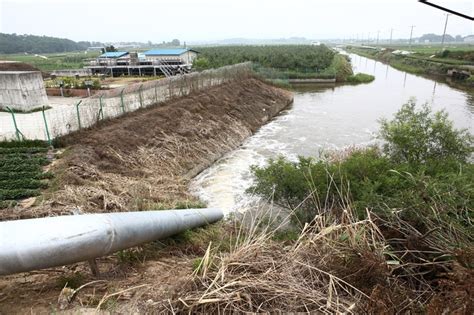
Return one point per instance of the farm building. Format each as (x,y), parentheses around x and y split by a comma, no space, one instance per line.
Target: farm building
(113,58)
(180,55)
(166,62)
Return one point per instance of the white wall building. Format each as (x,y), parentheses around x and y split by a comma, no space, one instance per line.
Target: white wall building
(182,55)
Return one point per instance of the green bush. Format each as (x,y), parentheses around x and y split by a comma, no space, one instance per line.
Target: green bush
(22,175)
(31,150)
(73,83)
(340,67)
(360,78)
(23,183)
(16,161)
(23,144)
(422,173)
(420,136)
(24,167)
(12,194)
(289,57)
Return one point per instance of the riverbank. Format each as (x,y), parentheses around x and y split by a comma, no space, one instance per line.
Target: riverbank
(145,159)
(431,69)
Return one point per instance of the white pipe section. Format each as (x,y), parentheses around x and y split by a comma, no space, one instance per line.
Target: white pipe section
(32,244)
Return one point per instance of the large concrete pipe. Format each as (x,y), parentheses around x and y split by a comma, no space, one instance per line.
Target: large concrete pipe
(32,244)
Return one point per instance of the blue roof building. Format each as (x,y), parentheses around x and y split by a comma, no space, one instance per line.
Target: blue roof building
(114,54)
(168,52)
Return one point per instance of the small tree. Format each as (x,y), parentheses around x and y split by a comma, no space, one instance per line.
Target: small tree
(201,63)
(110,48)
(420,136)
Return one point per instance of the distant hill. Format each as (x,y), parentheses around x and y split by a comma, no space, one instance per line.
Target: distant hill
(13,43)
(251,41)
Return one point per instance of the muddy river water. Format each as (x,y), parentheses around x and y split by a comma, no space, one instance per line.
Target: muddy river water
(323,118)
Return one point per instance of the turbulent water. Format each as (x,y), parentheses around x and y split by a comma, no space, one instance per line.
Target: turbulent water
(327,118)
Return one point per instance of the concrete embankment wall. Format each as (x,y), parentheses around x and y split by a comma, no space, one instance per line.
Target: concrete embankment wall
(22,90)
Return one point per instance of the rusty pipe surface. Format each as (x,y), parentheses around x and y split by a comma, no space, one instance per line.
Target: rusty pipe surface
(33,244)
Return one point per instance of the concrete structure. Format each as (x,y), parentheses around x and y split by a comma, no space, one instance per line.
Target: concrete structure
(168,62)
(22,90)
(72,73)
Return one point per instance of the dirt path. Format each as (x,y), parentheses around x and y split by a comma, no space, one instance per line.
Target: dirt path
(141,161)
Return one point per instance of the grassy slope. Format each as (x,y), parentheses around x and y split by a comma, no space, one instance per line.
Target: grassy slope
(72,60)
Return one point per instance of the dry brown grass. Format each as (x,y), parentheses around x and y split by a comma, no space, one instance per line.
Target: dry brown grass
(259,274)
(339,264)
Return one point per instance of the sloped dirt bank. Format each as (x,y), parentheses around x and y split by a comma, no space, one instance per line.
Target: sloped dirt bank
(141,161)
(145,159)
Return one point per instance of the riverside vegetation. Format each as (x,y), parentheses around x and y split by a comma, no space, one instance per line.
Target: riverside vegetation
(425,61)
(398,219)
(283,62)
(382,230)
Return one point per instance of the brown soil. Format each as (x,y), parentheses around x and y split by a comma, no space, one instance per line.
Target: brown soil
(19,66)
(143,160)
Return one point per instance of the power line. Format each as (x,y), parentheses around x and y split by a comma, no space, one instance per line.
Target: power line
(447,10)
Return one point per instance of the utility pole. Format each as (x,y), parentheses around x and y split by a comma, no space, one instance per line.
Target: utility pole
(411,34)
(378,33)
(391,33)
(444,32)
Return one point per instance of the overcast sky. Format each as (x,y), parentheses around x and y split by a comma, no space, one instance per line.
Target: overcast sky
(204,20)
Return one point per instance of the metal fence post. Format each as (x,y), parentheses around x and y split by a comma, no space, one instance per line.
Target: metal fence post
(140,95)
(78,115)
(46,126)
(17,131)
(122,104)
(101,110)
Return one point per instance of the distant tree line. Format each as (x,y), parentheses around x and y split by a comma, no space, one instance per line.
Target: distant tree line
(293,57)
(434,38)
(14,43)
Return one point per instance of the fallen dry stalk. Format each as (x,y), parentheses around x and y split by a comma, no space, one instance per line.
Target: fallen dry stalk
(108,296)
(260,275)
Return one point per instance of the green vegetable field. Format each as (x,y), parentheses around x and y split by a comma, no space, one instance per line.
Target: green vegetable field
(21,170)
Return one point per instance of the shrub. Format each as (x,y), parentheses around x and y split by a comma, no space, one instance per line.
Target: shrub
(341,67)
(360,78)
(19,160)
(13,150)
(422,174)
(24,183)
(23,144)
(420,136)
(6,194)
